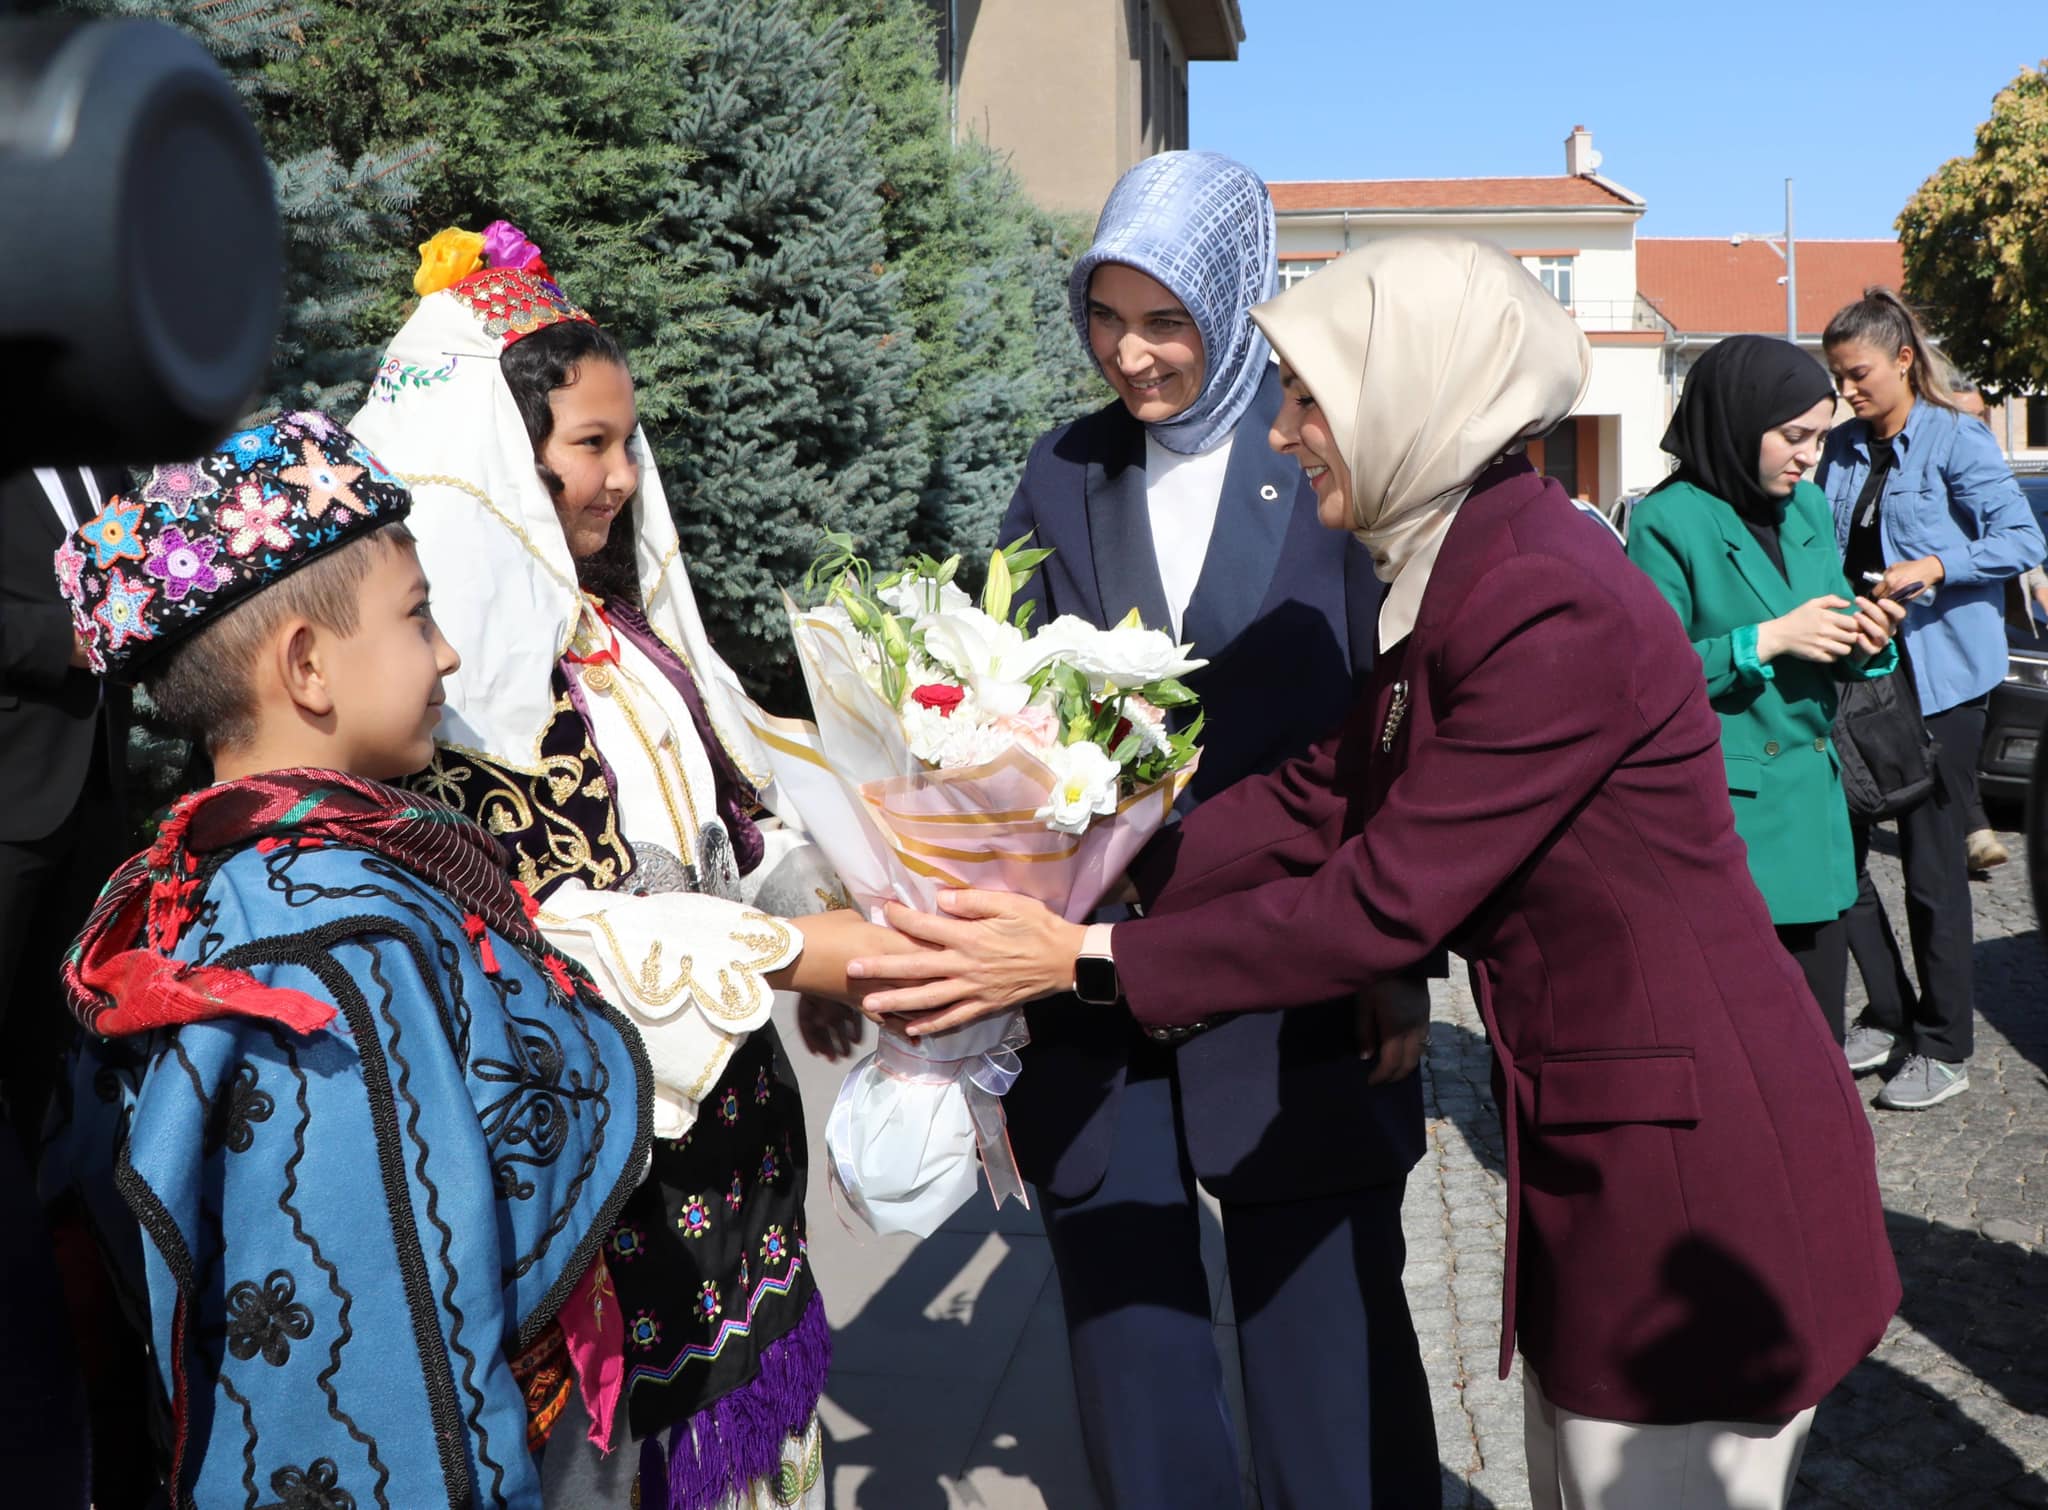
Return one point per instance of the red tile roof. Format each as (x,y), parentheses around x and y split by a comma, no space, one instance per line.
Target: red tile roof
(1703,285)
(1449,194)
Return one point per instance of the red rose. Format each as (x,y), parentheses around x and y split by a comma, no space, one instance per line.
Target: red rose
(938,695)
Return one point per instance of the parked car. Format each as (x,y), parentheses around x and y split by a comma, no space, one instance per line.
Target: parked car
(2018,711)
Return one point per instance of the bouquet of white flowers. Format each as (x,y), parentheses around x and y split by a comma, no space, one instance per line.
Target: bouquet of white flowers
(954,746)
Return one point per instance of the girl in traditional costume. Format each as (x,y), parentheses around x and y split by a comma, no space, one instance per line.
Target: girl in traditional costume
(593,729)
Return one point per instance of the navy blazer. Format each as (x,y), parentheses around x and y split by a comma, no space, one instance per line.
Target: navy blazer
(1276,1104)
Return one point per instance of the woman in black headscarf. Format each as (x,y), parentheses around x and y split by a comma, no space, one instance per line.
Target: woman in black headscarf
(1744,549)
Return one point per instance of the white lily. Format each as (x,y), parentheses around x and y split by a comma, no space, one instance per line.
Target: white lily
(918,598)
(991,657)
(1122,658)
(1084,787)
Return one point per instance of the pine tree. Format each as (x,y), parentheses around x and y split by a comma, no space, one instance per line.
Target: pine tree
(804,422)
(980,274)
(554,114)
(332,206)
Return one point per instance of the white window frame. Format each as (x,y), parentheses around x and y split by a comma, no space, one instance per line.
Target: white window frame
(1296,269)
(1560,277)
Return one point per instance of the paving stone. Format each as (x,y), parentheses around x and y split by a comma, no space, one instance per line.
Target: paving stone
(1949,1409)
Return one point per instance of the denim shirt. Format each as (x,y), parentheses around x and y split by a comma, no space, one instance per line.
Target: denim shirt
(1951,496)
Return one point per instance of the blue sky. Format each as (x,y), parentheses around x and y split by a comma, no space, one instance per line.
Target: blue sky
(1703,109)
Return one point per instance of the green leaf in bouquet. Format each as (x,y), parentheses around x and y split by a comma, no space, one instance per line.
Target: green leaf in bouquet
(1024,612)
(1167,693)
(1127,751)
(948,570)
(1022,561)
(1073,685)
(833,567)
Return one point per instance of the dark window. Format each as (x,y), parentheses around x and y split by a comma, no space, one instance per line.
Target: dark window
(1164,85)
(2037,422)
(1141,49)
(1561,456)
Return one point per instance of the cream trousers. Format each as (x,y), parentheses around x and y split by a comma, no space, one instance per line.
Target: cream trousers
(1584,1463)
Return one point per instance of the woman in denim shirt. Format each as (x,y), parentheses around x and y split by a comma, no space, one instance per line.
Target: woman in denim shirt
(1922,497)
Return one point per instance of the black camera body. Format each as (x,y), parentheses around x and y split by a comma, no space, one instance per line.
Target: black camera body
(141,264)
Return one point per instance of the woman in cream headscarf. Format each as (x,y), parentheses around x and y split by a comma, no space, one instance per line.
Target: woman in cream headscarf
(1533,778)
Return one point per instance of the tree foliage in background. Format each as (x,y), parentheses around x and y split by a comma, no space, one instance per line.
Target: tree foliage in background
(807,421)
(336,207)
(555,114)
(1975,240)
(981,272)
(837,318)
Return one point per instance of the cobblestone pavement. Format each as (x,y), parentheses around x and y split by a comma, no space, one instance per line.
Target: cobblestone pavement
(1952,1408)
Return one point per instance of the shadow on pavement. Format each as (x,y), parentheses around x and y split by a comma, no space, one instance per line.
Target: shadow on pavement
(917,1424)
(2009,973)
(1908,1428)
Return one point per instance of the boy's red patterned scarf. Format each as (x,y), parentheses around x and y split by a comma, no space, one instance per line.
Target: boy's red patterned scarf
(119,976)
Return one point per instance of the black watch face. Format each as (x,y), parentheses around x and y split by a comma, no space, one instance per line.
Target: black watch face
(1095,980)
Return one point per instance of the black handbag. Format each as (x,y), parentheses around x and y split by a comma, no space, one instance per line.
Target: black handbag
(1886,753)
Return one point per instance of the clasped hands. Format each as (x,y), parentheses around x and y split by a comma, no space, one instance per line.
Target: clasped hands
(986,952)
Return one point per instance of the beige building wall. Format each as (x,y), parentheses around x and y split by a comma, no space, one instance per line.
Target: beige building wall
(1076,91)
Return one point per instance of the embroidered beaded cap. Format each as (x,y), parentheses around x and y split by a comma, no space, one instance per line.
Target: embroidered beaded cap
(513,302)
(159,563)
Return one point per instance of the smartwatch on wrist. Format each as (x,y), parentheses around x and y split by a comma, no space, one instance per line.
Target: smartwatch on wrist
(1095,978)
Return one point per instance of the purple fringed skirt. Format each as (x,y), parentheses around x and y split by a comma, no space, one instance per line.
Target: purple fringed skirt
(739,1438)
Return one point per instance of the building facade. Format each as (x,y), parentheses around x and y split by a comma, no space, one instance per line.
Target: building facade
(1077,91)
(1649,305)
(1577,234)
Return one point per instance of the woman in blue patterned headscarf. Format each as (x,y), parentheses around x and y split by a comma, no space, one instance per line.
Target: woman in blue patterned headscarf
(1200,227)
(1169,501)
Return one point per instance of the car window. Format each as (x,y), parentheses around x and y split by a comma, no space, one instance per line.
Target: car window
(2036,490)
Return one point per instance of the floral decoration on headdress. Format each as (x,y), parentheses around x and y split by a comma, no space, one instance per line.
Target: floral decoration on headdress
(446,258)
(500,275)
(198,537)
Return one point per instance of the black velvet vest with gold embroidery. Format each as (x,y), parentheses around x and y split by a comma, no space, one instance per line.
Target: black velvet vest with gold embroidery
(561,822)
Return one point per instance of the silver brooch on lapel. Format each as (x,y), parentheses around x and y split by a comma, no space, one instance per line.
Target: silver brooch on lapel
(1269,492)
(1397,709)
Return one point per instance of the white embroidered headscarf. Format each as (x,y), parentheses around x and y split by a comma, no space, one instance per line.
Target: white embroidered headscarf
(504,585)
(1431,357)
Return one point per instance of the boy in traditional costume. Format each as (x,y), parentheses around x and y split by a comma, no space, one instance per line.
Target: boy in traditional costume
(355,1134)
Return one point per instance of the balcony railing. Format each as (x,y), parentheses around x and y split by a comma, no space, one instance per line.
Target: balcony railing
(1617,314)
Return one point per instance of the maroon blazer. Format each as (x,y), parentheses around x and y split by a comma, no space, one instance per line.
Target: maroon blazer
(1534,778)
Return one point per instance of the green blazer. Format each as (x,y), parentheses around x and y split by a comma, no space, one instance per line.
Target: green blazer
(1776,720)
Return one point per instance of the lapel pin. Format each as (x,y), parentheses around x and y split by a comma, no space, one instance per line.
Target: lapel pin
(1269,492)
(1397,709)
